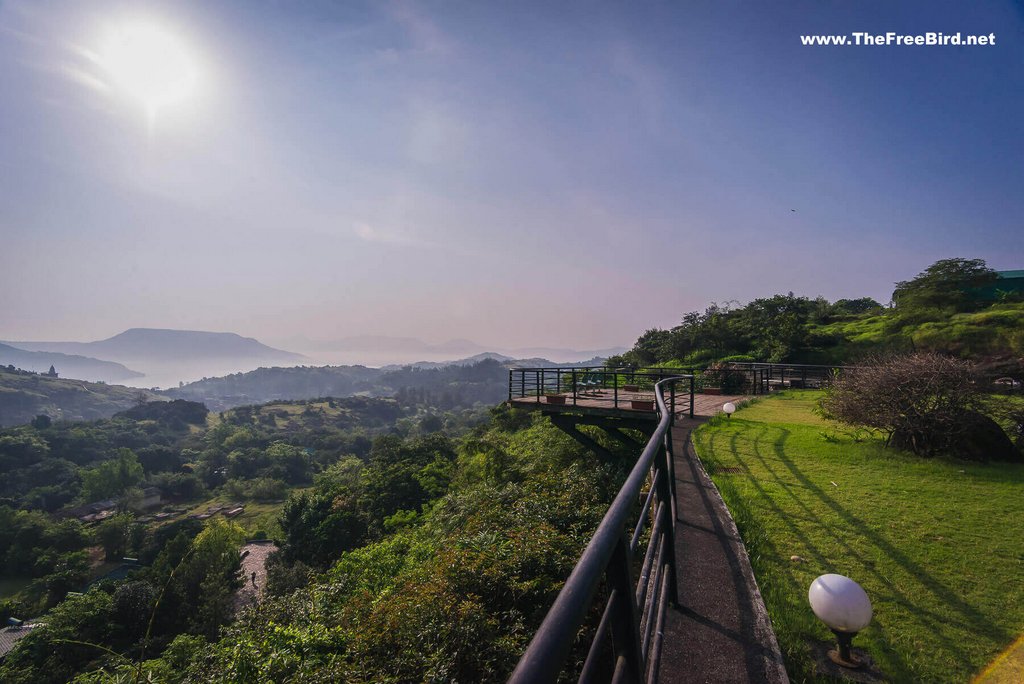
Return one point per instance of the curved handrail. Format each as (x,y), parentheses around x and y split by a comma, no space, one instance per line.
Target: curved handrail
(545,657)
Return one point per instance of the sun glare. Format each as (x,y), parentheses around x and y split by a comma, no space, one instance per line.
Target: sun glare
(149,65)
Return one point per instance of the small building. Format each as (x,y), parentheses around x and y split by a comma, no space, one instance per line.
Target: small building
(151,497)
(1010,283)
(15,631)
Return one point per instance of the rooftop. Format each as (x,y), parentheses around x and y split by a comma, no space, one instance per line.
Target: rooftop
(9,636)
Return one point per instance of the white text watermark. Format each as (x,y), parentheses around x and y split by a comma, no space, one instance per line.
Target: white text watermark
(932,38)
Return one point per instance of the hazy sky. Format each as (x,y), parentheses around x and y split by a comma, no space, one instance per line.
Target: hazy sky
(515,173)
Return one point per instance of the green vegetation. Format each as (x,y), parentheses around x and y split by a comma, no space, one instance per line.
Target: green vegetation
(453,589)
(414,543)
(25,395)
(446,388)
(943,310)
(937,544)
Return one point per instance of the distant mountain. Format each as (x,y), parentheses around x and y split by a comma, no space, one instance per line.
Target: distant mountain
(66,365)
(397,345)
(400,351)
(482,378)
(270,384)
(450,386)
(157,345)
(561,355)
(477,358)
(24,395)
(166,357)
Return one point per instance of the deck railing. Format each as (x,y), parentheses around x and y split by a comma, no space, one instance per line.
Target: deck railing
(626,644)
(618,387)
(600,387)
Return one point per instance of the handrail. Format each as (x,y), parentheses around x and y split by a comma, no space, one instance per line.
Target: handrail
(610,554)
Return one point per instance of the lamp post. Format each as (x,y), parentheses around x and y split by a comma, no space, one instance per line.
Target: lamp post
(845,608)
(729,408)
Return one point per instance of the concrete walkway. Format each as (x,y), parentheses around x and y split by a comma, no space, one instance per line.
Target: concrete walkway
(721,631)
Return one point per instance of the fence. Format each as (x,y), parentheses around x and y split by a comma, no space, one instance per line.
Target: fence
(625,388)
(627,640)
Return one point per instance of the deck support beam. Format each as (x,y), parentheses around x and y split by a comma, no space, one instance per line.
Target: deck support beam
(569,424)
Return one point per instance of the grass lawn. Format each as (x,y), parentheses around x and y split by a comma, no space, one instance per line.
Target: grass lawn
(937,544)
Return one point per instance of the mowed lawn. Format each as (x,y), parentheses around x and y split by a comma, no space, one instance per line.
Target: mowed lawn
(937,544)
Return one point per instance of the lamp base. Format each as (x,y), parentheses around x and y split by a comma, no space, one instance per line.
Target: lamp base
(830,670)
(852,662)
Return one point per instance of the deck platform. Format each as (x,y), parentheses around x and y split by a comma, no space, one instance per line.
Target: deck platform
(607,403)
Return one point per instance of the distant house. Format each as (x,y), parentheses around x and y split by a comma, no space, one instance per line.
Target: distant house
(90,512)
(1009,283)
(9,636)
(151,497)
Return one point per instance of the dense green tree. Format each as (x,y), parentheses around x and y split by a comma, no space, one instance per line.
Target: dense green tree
(947,285)
(853,307)
(72,639)
(114,535)
(112,477)
(201,576)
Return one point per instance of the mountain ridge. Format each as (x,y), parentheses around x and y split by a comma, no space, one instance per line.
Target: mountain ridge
(147,344)
(67,365)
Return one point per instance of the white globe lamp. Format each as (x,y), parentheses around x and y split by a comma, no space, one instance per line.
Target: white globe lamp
(845,608)
(729,408)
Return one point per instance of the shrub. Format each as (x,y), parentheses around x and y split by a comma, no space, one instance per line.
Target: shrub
(917,401)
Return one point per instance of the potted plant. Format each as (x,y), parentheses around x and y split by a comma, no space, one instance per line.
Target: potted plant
(552,396)
(710,381)
(642,404)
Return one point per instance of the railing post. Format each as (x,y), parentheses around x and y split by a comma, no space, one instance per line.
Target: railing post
(691,395)
(510,384)
(615,390)
(573,386)
(672,389)
(522,384)
(665,486)
(626,624)
(537,380)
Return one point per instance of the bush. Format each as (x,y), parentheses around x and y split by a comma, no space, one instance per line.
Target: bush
(919,401)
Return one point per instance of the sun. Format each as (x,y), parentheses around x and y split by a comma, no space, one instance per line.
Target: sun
(148,65)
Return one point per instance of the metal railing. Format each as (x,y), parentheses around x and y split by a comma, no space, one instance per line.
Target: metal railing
(600,387)
(773,376)
(627,641)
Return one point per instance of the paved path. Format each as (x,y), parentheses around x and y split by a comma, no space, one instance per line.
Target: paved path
(1008,668)
(254,561)
(721,631)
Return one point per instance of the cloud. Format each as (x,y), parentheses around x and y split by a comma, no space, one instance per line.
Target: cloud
(82,77)
(426,36)
(368,233)
(646,81)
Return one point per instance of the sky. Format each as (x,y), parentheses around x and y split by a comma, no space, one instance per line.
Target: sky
(519,174)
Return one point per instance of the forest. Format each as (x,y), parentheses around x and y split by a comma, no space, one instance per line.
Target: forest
(394,523)
(954,307)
